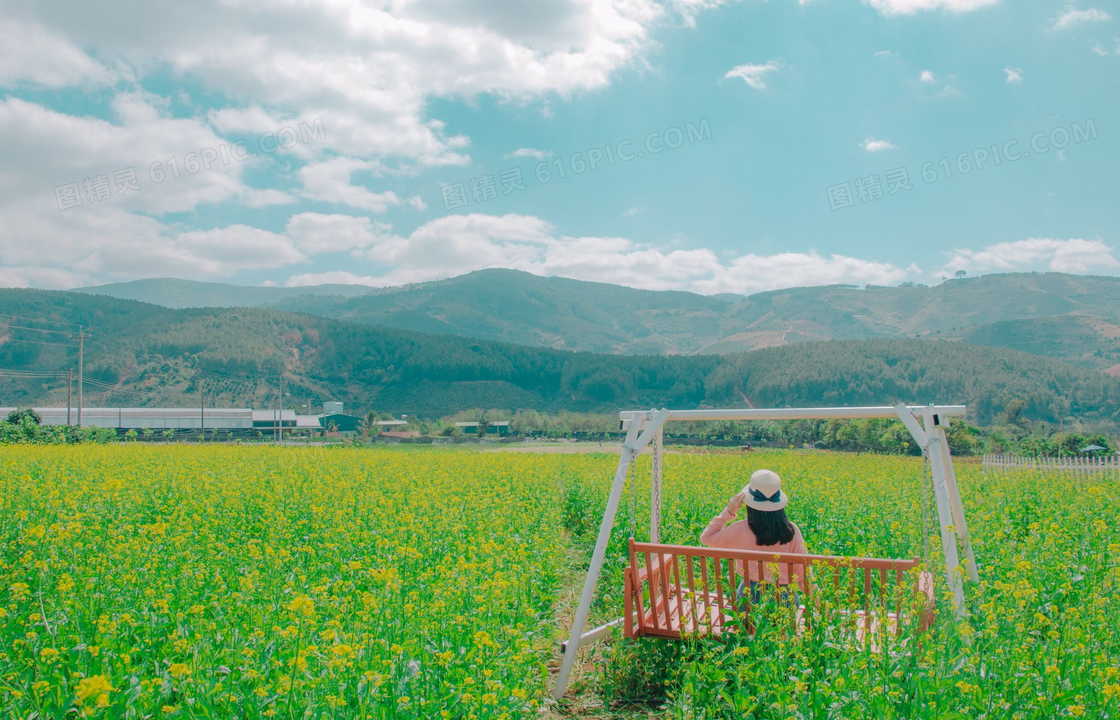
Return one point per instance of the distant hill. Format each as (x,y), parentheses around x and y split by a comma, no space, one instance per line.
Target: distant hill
(176,293)
(1024,311)
(142,354)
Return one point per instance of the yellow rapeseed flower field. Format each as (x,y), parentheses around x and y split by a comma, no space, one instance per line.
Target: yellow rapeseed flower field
(253,582)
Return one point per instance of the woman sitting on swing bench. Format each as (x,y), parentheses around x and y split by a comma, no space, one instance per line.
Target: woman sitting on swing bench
(766,528)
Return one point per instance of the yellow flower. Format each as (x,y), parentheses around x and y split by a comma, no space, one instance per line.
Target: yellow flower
(179,670)
(301,605)
(94,685)
(48,655)
(1076,710)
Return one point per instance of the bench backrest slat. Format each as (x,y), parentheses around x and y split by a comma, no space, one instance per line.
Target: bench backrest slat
(696,602)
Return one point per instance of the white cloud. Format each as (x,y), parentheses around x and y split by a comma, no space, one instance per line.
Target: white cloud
(1070,255)
(368,69)
(909,7)
(884,53)
(873,145)
(1014,75)
(315,233)
(690,9)
(45,149)
(530,153)
(457,244)
(238,247)
(334,277)
(330,181)
(39,277)
(754,75)
(927,77)
(32,54)
(1071,18)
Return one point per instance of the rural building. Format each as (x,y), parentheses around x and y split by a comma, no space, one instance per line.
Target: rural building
(340,422)
(500,427)
(190,418)
(270,419)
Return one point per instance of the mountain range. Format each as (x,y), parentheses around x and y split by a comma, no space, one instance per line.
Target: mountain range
(1075,318)
(141,354)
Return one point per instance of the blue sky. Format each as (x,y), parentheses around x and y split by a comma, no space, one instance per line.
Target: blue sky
(698,144)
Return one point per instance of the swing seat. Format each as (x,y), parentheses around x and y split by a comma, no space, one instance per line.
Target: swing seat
(677,591)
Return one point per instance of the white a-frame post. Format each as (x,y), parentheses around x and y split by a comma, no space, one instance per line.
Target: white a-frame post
(645,427)
(927,427)
(638,435)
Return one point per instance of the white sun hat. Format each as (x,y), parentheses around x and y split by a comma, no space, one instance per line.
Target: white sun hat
(764,491)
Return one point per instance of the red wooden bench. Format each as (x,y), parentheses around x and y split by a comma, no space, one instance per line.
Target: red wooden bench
(675,591)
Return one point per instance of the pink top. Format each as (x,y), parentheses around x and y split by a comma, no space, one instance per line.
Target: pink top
(724,532)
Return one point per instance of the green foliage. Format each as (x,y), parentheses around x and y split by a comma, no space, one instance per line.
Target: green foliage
(18,417)
(236,356)
(1052,314)
(29,432)
(640,672)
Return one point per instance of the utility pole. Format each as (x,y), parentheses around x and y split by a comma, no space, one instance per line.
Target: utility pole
(280,426)
(81,370)
(69,391)
(201,411)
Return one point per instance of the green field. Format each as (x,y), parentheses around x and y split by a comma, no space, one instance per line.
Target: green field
(236,582)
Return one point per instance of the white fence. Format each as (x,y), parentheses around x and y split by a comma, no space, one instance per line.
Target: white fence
(1106,463)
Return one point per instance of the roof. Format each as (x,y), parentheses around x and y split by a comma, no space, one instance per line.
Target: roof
(140,411)
(272,415)
(495,423)
(391,423)
(308,421)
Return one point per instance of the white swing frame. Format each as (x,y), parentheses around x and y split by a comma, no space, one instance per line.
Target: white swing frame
(645,428)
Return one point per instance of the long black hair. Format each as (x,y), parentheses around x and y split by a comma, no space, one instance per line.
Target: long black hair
(770,527)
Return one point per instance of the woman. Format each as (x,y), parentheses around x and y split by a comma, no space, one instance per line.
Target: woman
(766,528)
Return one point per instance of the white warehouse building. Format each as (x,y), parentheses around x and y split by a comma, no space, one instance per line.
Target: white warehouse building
(148,418)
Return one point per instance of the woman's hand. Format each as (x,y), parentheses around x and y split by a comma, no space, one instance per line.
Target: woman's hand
(734,504)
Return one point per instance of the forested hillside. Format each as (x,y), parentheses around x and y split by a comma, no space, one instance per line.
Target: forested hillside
(1071,317)
(140,354)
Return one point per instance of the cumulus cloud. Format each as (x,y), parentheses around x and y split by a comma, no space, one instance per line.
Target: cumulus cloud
(909,7)
(1072,18)
(1070,255)
(32,54)
(361,74)
(754,75)
(330,181)
(368,69)
(171,164)
(530,153)
(80,197)
(874,145)
(1014,75)
(461,243)
(927,77)
(315,233)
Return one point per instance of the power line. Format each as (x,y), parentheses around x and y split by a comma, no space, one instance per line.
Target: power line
(32,375)
(11,340)
(42,330)
(49,322)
